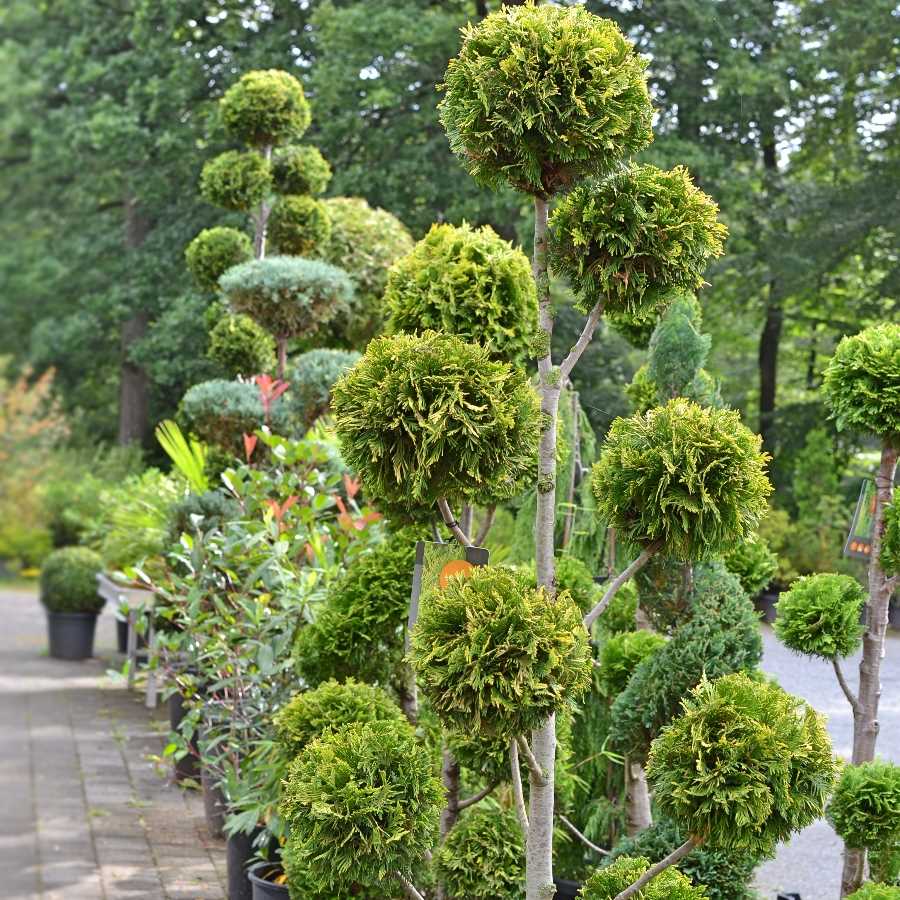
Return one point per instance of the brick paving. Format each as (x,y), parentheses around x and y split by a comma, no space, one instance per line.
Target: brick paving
(85,813)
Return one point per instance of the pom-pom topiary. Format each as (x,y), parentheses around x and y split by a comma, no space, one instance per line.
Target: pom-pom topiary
(483,857)
(241,347)
(753,563)
(312,376)
(468,282)
(302,884)
(744,766)
(214,251)
(873,891)
(632,238)
(363,803)
(819,616)
(69,581)
(540,96)
(609,882)
(690,478)
(495,654)
(300,169)
(299,225)
(620,656)
(862,382)
(234,180)
(265,107)
(426,416)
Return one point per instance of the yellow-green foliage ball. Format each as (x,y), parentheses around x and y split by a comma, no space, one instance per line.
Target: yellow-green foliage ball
(265,107)
(214,251)
(300,169)
(865,808)
(670,884)
(235,180)
(299,225)
(241,347)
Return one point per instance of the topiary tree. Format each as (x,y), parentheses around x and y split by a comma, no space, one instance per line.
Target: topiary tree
(265,108)
(620,655)
(236,181)
(241,347)
(610,883)
(312,376)
(69,581)
(299,225)
(754,564)
(300,169)
(213,252)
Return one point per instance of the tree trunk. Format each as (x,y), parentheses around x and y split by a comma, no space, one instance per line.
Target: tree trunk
(261,219)
(450,778)
(281,345)
(769,341)
(637,799)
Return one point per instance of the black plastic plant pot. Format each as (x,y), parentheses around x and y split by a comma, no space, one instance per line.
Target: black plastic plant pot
(238,853)
(262,877)
(214,805)
(71,635)
(122,636)
(188,766)
(566,890)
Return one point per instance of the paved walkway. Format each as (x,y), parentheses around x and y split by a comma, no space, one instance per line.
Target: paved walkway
(85,813)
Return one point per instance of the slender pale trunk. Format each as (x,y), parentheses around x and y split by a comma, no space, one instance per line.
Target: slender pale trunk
(575,471)
(865,715)
(281,345)
(637,799)
(261,219)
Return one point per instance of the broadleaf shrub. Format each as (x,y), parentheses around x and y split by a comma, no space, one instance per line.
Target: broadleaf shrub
(300,169)
(214,251)
(607,883)
(69,581)
(265,107)
(299,225)
(236,180)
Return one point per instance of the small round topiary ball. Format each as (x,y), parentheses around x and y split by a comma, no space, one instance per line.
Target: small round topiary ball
(241,347)
(862,382)
(300,169)
(819,616)
(689,477)
(69,581)
(363,803)
(541,96)
(744,766)
(265,107)
(214,251)
(468,282)
(754,564)
(234,180)
(609,882)
(633,238)
(299,225)
(865,807)
(494,654)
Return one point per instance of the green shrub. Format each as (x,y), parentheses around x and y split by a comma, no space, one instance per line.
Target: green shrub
(493,654)
(574,576)
(862,382)
(634,237)
(363,803)
(265,107)
(288,295)
(890,540)
(468,282)
(744,766)
(607,883)
(678,348)
(620,655)
(69,581)
(753,563)
(300,169)
(663,586)
(235,180)
(872,891)
(312,376)
(620,617)
(690,477)
(214,251)
(241,347)
(819,616)
(427,416)
(299,225)
(483,857)
(302,884)
(540,96)
(200,513)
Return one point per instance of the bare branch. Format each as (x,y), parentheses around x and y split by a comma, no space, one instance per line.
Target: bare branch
(489,514)
(620,580)
(581,837)
(590,326)
(408,887)
(851,697)
(476,798)
(518,795)
(452,524)
(661,866)
(537,773)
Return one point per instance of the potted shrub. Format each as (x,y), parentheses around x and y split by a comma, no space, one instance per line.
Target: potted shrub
(69,594)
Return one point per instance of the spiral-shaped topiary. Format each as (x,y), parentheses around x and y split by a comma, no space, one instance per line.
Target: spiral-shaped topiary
(632,238)
(820,616)
(690,478)
(299,225)
(214,251)
(69,581)
(609,882)
(468,282)
(235,180)
(865,808)
(265,107)
(494,654)
(862,382)
(300,169)
(540,96)
(426,416)
(744,766)
(241,347)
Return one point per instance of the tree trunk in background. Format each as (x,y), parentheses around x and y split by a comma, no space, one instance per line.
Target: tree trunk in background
(637,799)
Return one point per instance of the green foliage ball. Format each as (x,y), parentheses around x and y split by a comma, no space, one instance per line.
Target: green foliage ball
(865,808)
(312,375)
(819,616)
(890,540)
(540,96)
(634,237)
(753,563)
(573,576)
(670,884)
(862,382)
(744,766)
(299,225)
(287,295)
(468,282)
(214,251)
(427,416)
(496,655)
(300,169)
(620,616)
(690,477)
(265,107)
(241,347)
(69,581)
(302,884)
(873,891)
(620,655)
(363,802)
(483,857)
(235,180)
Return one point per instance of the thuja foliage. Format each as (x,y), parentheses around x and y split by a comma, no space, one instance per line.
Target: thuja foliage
(312,376)
(620,655)
(862,382)
(214,251)
(302,884)
(236,180)
(241,347)
(492,654)
(820,615)
(874,891)
(690,477)
(362,803)
(542,95)
(469,282)
(299,225)
(483,857)
(620,616)
(69,581)
(265,107)
(753,563)
(890,540)
(633,237)
(427,416)
(607,883)
(573,576)
(744,766)
(300,169)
